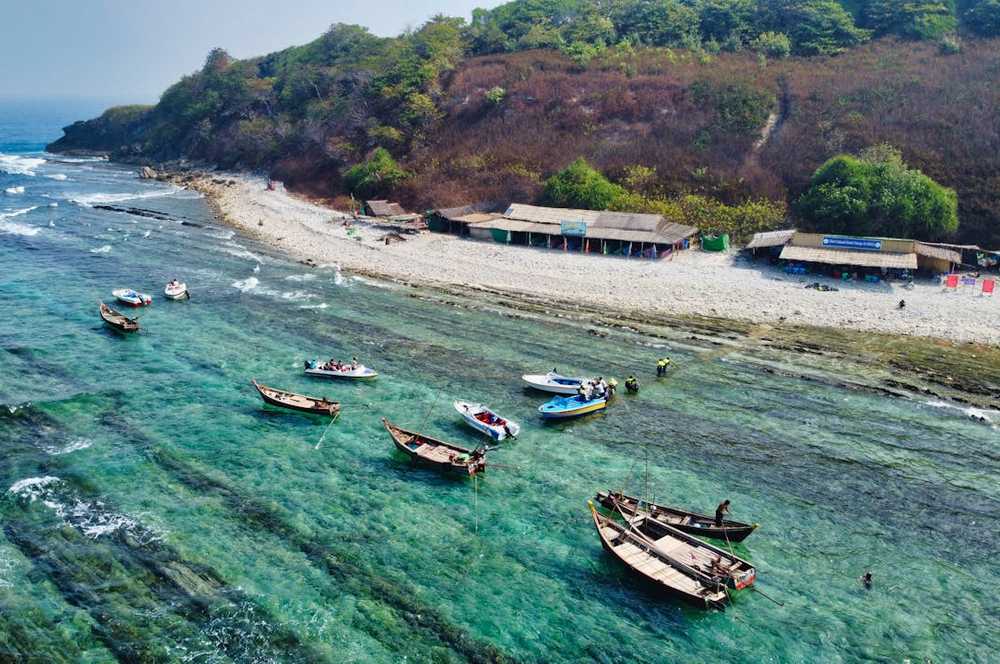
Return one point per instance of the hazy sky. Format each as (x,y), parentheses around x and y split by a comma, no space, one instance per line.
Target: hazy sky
(130,50)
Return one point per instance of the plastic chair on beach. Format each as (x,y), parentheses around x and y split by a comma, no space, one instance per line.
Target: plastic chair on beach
(951,282)
(988,286)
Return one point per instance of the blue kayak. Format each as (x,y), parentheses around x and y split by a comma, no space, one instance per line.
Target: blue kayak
(561,407)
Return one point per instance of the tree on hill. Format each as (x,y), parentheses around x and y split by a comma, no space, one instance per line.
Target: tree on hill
(376,176)
(877,194)
(580,185)
(984,18)
(916,19)
(816,27)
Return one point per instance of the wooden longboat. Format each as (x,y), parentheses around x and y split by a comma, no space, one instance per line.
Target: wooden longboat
(299,402)
(117,320)
(437,453)
(659,570)
(689,522)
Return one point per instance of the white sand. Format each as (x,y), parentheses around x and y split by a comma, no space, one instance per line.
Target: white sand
(693,282)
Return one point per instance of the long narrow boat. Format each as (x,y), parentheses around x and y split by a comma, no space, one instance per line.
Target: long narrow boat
(438,453)
(299,402)
(117,320)
(486,421)
(553,382)
(667,556)
(690,522)
(361,372)
(657,569)
(566,407)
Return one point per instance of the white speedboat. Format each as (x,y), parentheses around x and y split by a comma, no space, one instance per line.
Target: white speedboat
(318,369)
(482,419)
(131,297)
(553,383)
(176,290)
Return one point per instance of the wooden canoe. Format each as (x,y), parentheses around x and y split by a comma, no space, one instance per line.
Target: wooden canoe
(660,571)
(690,522)
(438,453)
(690,551)
(299,402)
(117,320)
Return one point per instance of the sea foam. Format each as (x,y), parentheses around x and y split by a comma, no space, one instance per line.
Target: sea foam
(15,165)
(247,284)
(104,198)
(13,191)
(105,249)
(14,228)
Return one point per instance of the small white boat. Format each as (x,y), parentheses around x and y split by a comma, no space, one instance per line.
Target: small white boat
(553,383)
(482,419)
(131,297)
(319,370)
(176,290)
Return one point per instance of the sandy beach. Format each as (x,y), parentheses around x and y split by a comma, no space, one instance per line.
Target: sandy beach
(691,283)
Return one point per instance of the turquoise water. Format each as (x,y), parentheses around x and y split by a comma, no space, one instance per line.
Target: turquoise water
(153,510)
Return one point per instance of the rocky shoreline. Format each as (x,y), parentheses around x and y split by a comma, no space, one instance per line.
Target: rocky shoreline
(899,364)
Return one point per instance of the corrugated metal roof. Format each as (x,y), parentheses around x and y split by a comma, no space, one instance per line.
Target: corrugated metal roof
(770,239)
(938,251)
(603,225)
(856,258)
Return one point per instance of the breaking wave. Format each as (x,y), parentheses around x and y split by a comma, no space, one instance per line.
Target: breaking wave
(13,191)
(14,228)
(980,414)
(90,200)
(105,249)
(300,277)
(15,165)
(58,176)
(90,517)
(247,284)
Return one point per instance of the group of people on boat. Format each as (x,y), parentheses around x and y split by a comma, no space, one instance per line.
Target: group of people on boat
(597,388)
(337,365)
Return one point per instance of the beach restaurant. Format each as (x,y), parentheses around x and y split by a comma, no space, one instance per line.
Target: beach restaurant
(583,231)
(824,252)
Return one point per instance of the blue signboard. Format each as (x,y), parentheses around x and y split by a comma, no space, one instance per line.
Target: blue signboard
(573,228)
(836,242)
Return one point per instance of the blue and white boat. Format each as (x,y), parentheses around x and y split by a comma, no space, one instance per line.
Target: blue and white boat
(486,421)
(565,407)
(553,382)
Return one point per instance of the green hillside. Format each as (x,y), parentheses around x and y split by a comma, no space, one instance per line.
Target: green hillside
(684,103)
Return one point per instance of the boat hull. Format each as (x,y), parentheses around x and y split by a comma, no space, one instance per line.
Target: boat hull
(136,300)
(700,525)
(553,383)
(561,409)
(497,433)
(328,411)
(180,293)
(362,373)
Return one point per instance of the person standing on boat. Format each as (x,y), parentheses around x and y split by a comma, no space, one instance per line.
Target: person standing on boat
(720,512)
(354,363)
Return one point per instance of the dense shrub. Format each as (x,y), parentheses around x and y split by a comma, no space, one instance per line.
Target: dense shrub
(580,185)
(877,194)
(375,177)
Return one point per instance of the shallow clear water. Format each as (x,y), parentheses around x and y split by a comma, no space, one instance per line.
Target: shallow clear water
(152,507)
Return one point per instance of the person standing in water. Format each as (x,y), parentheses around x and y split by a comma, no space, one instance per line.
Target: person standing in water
(720,512)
